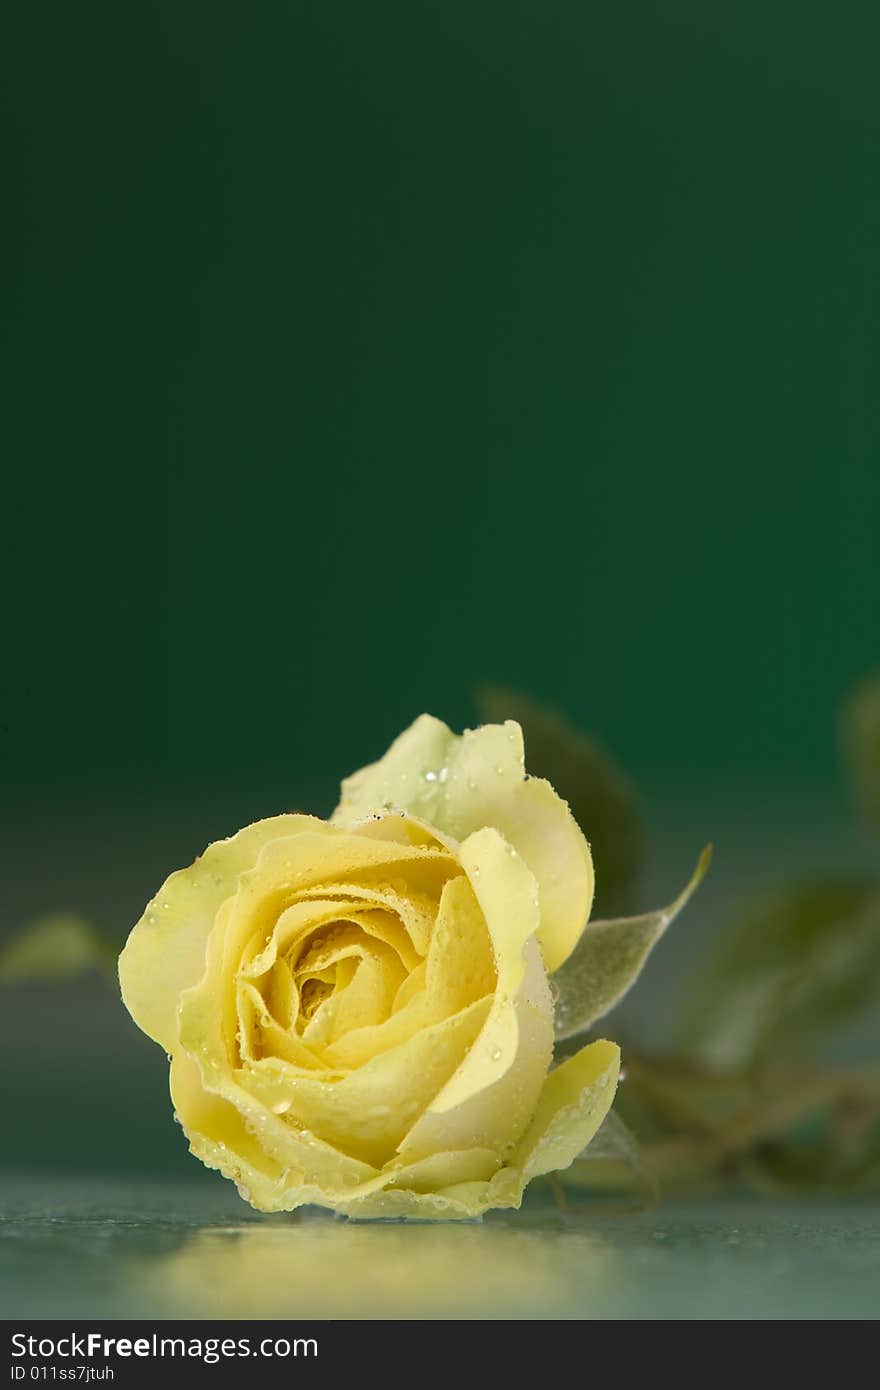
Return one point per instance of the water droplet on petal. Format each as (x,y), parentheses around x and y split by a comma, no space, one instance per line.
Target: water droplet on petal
(496,1054)
(430,777)
(281,1107)
(443,774)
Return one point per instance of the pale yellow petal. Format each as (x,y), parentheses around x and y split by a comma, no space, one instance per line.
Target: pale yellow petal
(461,784)
(368,1111)
(165,952)
(414,909)
(224,1118)
(364,1002)
(496,1115)
(260,1035)
(508,897)
(219,1137)
(461,1202)
(461,964)
(288,866)
(576,1097)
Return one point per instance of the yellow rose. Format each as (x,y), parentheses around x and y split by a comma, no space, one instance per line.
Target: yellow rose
(358,1012)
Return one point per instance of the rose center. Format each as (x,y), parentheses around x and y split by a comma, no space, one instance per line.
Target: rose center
(312,994)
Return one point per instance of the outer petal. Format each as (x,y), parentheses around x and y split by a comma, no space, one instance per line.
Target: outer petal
(577,1096)
(165,952)
(461,784)
(491,1097)
(574,1101)
(508,896)
(495,1116)
(230,1130)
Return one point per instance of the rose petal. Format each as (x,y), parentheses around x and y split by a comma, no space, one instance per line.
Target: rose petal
(575,1099)
(460,969)
(461,784)
(496,1115)
(253,1146)
(507,893)
(165,953)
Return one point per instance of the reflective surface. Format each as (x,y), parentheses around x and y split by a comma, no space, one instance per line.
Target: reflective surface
(91,1248)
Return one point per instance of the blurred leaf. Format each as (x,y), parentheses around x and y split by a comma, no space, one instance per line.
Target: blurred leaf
(860,737)
(664,1096)
(601,799)
(609,958)
(55,948)
(798,964)
(784,1130)
(613,1158)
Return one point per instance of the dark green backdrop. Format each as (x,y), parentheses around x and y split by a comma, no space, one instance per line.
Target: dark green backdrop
(359,351)
(356,352)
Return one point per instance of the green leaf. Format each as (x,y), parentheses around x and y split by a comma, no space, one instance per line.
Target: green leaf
(613,1157)
(601,799)
(860,738)
(609,958)
(615,1142)
(55,947)
(797,964)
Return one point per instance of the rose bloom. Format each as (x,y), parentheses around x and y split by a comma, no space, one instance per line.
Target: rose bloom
(358,1012)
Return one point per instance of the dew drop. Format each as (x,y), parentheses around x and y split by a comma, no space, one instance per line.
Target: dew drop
(496,1054)
(281,1107)
(430,777)
(443,774)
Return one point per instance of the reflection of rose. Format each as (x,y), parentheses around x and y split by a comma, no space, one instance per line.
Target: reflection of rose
(319,1268)
(358,1012)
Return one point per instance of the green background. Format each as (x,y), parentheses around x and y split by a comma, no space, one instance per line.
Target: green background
(360,351)
(356,353)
